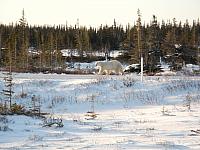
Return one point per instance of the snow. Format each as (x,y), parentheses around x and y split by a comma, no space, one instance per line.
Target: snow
(74,52)
(81,65)
(191,67)
(70,52)
(136,66)
(130,114)
(117,53)
(177,45)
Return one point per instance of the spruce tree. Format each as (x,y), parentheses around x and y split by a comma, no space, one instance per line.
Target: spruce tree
(138,43)
(23,55)
(78,43)
(153,43)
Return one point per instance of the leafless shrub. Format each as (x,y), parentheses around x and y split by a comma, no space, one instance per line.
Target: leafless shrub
(97,128)
(58,99)
(23,94)
(163,110)
(4,124)
(128,82)
(35,106)
(181,85)
(143,121)
(76,118)
(196,98)
(101,80)
(148,97)
(43,83)
(35,138)
(128,96)
(166,112)
(188,100)
(119,124)
(166,144)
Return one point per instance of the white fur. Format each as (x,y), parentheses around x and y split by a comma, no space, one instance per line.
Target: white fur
(109,67)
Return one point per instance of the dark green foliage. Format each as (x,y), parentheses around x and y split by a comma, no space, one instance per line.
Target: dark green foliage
(153,53)
(157,41)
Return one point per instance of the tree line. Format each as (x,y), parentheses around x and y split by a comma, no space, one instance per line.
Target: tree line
(24,46)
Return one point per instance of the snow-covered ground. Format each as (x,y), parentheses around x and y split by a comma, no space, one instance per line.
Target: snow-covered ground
(74,52)
(130,114)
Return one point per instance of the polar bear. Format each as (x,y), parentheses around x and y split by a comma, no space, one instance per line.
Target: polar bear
(109,67)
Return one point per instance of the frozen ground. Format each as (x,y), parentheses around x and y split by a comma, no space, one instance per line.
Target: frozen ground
(130,114)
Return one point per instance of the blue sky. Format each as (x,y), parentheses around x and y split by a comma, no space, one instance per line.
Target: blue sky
(96,12)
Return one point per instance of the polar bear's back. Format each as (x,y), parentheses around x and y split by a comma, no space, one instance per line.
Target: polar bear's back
(111,64)
(115,63)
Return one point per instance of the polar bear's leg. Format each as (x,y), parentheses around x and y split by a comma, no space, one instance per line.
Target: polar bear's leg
(108,72)
(100,71)
(121,72)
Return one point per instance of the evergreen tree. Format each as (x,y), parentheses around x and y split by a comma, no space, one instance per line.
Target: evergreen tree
(174,42)
(138,44)
(78,44)
(153,43)
(127,44)
(23,54)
